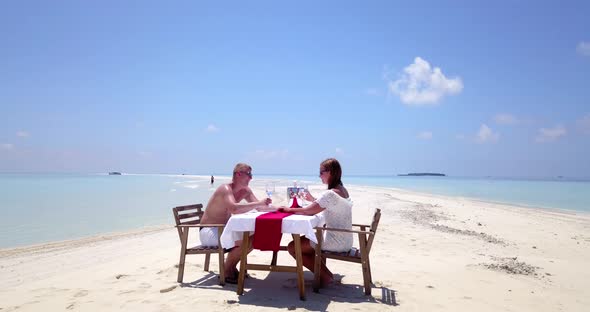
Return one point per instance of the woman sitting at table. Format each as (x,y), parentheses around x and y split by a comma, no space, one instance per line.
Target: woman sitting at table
(338,214)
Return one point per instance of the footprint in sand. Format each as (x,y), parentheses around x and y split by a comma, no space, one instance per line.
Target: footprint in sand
(386,284)
(168,270)
(49,291)
(168,289)
(81,293)
(119,276)
(145,285)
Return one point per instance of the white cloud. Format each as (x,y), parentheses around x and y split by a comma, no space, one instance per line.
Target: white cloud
(550,134)
(485,134)
(6,146)
(272,154)
(372,92)
(420,84)
(212,128)
(584,124)
(424,135)
(505,119)
(583,48)
(22,134)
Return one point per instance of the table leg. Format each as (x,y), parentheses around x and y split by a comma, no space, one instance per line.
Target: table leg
(274,258)
(243,261)
(299,260)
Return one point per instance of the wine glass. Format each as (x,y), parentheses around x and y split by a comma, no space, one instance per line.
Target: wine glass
(270,188)
(302,191)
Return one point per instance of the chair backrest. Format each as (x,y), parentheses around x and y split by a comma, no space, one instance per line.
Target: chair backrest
(374,225)
(187,215)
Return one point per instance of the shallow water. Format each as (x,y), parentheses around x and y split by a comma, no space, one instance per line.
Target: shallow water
(38,208)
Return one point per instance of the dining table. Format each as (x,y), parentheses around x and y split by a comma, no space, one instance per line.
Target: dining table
(242,226)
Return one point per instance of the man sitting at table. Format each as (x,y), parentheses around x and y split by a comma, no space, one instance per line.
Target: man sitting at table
(224,202)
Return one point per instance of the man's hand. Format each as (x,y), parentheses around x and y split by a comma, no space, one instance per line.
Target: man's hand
(285,209)
(266,201)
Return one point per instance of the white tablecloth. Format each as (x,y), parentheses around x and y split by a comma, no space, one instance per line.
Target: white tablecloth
(293,224)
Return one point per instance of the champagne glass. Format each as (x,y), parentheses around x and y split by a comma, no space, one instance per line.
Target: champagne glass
(270,189)
(302,191)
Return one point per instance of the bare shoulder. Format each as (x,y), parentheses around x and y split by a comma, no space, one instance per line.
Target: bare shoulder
(248,190)
(243,193)
(223,189)
(341,190)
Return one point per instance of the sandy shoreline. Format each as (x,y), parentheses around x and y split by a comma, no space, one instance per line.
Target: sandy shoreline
(431,253)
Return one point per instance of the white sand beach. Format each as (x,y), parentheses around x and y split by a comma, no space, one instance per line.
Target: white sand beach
(431,253)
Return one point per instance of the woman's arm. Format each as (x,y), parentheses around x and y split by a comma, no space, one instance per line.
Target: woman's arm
(308,197)
(309,210)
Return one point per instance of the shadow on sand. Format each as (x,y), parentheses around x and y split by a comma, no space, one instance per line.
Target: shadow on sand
(210,280)
(279,290)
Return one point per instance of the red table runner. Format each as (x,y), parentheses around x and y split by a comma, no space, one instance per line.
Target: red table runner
(268,232)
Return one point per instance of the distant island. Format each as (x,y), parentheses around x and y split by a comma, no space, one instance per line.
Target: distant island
(114,173)
(421,174)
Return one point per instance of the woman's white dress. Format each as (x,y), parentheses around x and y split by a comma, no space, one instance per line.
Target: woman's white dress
(338,214)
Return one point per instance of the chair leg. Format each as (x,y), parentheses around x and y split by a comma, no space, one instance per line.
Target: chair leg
(317,271)
(181,267)
(366,277)
(369,269)
(318,260)
(183,241)
(365,264)
(274,258)
(207,258)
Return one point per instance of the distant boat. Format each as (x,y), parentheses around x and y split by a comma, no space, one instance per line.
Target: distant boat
(114,173)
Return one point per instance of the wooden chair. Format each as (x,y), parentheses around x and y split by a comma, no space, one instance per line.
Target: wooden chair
(366,234)
(188,217)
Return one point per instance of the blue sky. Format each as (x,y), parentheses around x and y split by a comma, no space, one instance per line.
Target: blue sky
(468,88)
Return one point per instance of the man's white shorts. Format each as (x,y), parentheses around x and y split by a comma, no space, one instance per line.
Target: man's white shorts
(209,236)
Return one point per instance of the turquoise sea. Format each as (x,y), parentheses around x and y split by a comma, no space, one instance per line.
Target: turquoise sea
(39,208)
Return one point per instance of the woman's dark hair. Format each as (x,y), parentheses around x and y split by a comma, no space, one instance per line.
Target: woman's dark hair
(333,166)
